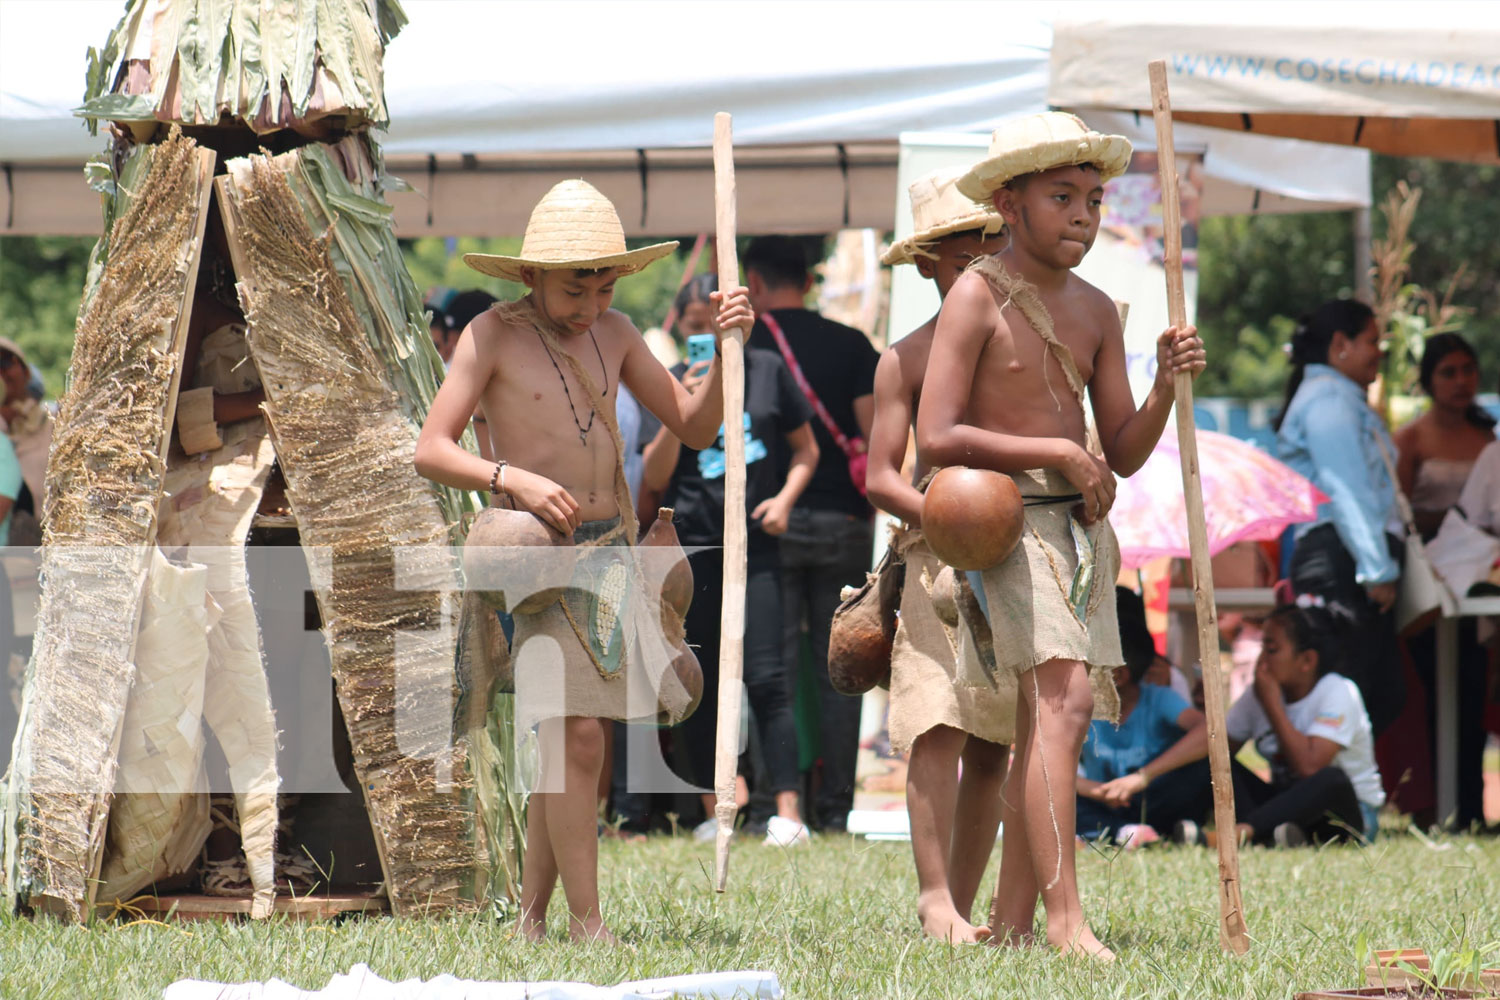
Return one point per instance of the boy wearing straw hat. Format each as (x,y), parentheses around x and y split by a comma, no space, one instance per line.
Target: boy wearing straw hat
(1019,338)
(545,370)
(937,712)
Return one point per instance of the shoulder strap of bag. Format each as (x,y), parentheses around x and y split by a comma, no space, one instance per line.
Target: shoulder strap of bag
(1402,504)
(839,437)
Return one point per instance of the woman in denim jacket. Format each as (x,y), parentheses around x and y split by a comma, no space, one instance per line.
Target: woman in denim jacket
(1328,432)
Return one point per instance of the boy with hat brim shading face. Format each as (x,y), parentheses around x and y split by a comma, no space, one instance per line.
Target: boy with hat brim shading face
(1019,337)
(935,711)
(545,370)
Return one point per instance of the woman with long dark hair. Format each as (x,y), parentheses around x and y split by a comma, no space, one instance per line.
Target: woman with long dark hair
(1328,432)
(1437,450)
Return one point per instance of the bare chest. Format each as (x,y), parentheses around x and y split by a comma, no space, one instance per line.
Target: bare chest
(537,398)
(1019,366)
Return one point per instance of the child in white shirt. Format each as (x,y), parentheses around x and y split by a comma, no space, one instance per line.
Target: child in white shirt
(1310,723)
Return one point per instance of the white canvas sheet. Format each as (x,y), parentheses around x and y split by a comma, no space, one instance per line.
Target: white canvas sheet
(362,984)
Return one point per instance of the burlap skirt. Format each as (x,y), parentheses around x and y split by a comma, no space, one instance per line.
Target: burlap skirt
(933,667)
(600,651)
(1053,598)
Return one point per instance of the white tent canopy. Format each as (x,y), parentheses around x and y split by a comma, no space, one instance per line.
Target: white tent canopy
(491,103)
(1404,79)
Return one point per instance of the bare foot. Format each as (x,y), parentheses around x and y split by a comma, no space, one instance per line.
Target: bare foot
(1011,939)
(532,927)
(940,920)
(1085,945)
(590,931)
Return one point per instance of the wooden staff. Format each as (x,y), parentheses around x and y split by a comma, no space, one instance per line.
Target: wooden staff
(732,620)
(1232,933)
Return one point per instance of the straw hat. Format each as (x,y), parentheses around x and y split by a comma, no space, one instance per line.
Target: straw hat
(938,209)
(573,226)
(1040,142)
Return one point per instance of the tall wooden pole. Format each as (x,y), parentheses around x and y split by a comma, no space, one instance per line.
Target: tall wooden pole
(732,621)
(1233,935)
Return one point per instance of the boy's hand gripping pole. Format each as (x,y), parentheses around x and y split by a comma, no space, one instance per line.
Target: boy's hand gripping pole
(732,620)
(1232,933)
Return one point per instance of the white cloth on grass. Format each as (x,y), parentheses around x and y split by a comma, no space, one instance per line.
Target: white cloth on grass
(362,984)
(1333,710)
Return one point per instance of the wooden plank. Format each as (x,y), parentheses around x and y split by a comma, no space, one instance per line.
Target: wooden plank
(1236,598)
(312,907)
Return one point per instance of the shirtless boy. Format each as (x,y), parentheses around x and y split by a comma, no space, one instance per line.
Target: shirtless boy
(934,713)
(545,371)
(1018,339)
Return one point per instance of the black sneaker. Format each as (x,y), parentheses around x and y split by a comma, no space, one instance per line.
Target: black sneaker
(1185,831)
(1289,835)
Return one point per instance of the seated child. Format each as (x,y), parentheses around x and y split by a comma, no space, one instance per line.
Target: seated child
(545,371)
(1149,774)
(1309,722)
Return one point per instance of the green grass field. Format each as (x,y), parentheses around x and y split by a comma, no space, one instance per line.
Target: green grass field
(836,919)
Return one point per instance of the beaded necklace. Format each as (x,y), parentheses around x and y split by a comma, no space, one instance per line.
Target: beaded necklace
(583,431)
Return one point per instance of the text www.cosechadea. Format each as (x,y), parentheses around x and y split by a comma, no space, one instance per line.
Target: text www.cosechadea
(1348,70)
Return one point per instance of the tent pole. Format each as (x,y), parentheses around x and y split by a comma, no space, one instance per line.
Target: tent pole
(1364,278)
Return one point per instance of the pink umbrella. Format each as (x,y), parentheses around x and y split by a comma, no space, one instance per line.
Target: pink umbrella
(1247,494)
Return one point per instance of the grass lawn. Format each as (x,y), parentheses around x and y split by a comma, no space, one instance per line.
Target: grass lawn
(837,919)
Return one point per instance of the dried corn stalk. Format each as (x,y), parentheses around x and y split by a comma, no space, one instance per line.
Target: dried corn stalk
(346,445)
(103,484)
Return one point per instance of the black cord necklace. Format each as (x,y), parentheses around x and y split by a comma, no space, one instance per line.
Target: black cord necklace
(583,431)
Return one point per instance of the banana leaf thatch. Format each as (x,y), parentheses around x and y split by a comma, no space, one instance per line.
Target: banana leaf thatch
(272,64)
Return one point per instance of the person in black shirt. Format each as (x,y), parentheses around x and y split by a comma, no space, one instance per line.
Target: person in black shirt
(828,542)
(780,456)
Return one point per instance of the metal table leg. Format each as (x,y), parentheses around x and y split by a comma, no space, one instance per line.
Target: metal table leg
(1447,719)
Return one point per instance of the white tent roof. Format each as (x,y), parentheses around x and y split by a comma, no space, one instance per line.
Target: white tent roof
(1410,79)
(493,102)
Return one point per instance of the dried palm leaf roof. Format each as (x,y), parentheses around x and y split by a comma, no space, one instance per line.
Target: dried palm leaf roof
(272,64)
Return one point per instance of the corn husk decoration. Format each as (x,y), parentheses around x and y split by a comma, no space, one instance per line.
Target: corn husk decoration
(104,480)
(159,816)
(346,445)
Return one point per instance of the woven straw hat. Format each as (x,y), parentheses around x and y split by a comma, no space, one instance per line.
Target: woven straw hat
(573,226)
(938,209)
(1040,142)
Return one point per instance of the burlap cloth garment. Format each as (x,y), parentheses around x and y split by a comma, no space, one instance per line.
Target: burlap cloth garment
(932,665)
(592,653)
(1032,618)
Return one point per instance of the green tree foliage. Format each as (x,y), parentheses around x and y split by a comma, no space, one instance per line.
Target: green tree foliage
(41,283)
(1258,273)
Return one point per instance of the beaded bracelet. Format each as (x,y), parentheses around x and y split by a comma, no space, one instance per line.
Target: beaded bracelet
(497,478)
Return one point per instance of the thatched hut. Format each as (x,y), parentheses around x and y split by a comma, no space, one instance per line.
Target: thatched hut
(244,218)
